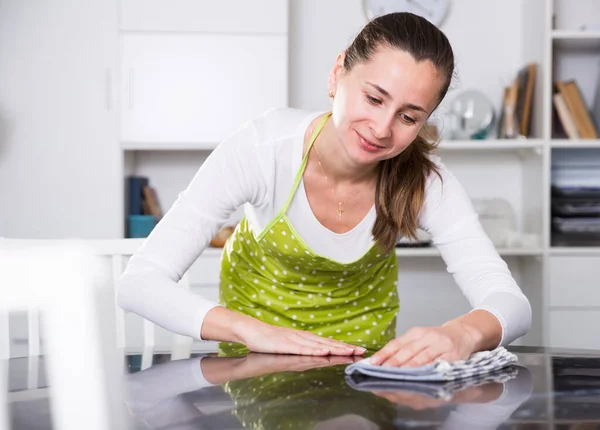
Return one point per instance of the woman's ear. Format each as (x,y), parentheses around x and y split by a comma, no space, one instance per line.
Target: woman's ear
(335,73)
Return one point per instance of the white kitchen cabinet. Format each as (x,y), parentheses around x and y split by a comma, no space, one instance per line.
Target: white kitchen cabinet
(200,87)
(223,16)
(574,281)
(575,328)
(59,148)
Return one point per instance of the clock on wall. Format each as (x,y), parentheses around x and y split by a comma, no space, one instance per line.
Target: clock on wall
(434,11)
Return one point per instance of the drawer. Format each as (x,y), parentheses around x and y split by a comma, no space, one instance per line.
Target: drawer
(574,329)
(223,16)
(574,281)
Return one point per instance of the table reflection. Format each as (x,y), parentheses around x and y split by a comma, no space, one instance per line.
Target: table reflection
(233,389)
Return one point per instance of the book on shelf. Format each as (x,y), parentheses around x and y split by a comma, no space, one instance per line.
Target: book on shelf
(152,206)
(525,85)
(576,109)
(565,124)
(596,106)
(517,104)
(135,196)
(142,198)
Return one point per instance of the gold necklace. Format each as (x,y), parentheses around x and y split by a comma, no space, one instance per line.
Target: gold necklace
(340,211)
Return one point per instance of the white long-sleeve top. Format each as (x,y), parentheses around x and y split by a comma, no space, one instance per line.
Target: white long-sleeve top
(255,168)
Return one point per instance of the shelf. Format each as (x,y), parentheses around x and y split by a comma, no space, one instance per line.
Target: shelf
(490,145)
(576,39)
(423,252)
(433,252)
(445,145)
(575,143)
(168,146)
(575,250)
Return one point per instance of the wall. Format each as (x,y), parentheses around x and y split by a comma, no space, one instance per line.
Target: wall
(485,36)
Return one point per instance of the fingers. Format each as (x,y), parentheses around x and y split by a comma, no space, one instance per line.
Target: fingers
(405,354)
(279,340)
(390,349)
(334,347)
(425,356)
(412,354)
(337,345)
(304,348)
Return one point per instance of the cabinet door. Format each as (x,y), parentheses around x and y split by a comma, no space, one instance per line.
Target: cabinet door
(223,16)
(199,87)
(574,281)
(574,329)
(60,161)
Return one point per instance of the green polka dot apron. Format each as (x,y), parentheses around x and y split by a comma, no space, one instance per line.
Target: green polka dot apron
(277,278)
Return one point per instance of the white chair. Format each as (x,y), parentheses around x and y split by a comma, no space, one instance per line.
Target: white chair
(85,376)
(118,252)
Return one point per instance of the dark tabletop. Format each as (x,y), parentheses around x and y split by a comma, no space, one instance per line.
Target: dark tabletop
(548,388)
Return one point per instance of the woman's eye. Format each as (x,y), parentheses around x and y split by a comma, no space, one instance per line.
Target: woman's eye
(373,100)
(408,119)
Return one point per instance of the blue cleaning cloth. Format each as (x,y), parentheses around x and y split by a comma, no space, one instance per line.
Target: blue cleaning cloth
(479,363)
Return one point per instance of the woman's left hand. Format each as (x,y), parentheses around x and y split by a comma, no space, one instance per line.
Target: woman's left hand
(423,345)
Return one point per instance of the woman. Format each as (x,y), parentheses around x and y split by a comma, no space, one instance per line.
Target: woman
(311,269)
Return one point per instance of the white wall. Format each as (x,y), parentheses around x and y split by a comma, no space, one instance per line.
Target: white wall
(319,30)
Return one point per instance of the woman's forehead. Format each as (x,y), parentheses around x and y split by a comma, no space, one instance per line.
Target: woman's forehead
(398,73)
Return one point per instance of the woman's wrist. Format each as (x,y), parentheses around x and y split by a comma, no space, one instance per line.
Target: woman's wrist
(480,328)
(224,325)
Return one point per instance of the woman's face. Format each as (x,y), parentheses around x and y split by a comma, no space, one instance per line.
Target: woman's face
(380,106)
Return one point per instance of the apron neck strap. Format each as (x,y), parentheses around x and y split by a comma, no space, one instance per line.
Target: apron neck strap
(298,177)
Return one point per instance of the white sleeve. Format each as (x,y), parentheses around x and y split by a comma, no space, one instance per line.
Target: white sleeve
(231,176)
(484,278)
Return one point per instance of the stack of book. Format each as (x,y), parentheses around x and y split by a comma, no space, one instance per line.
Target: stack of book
(517,105)
(572,117)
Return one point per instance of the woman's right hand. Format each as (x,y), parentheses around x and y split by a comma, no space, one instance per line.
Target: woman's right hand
(223,324)
(262,337)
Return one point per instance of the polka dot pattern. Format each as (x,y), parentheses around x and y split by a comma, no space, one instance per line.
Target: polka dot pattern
(291,286)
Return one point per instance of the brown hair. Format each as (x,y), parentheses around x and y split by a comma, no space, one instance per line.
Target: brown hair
(400,191)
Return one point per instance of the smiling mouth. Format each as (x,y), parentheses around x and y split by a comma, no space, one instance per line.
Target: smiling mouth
(368,141)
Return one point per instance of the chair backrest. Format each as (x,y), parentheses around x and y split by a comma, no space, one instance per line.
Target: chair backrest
(118,251)
(84,369)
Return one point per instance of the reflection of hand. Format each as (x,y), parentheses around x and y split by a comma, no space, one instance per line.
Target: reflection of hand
(347,422)
(217,370)
(423,345)
(481,394)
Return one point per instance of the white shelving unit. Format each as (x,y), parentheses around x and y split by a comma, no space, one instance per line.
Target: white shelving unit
(572,297)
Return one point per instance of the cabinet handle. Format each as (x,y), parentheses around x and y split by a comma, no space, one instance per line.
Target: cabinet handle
(108,90)
(131,81)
